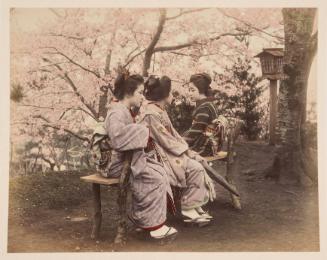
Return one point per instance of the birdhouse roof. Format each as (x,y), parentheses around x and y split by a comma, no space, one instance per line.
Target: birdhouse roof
(277,52)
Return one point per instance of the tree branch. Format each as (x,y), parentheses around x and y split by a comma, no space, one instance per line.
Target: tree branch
(68,132)
(28,105)
(250,25)
(131,52)
(150,49)
(189,44)
(108,57)
(185,12)
(160,27)
(48,124)
(133,57)
(71,83)
(74,62)
(78,109)
(67,36)
(73,86)
(47,161)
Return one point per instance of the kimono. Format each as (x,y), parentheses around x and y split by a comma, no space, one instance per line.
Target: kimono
(170,148)
(202,137)
(149,182)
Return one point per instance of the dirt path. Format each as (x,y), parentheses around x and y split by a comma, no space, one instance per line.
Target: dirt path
(273,218)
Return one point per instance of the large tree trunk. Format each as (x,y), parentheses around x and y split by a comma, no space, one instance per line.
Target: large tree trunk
(289,165)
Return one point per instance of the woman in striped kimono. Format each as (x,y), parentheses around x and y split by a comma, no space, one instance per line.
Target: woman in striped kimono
(149,183)
(203,136)
(181,164)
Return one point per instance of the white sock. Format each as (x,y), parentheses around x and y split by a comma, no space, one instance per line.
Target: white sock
(200,210)
(160,231)
(191,213)
(164,230)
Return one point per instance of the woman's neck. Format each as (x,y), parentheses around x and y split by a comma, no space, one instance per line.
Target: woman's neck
(126,103)
(161,104)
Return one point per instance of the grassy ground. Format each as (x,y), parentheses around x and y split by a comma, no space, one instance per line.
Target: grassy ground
(53,213)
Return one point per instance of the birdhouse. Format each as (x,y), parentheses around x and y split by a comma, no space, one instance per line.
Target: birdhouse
(271,60)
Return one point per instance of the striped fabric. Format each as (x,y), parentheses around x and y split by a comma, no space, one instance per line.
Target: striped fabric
(204,113)
(148,182)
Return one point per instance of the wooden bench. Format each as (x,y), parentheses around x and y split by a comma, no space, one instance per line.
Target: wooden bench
(97,180)
(122,182)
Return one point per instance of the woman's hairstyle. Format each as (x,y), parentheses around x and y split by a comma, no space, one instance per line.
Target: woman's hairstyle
(157,89)
(126,84)
(202,82)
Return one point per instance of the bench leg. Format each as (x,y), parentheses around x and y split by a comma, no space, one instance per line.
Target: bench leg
(236,200)
(121,236)
(230,171)
(122,204)
(97,217)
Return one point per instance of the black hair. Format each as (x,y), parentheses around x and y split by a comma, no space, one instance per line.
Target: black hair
(202,82)
(126,85)
(157,89)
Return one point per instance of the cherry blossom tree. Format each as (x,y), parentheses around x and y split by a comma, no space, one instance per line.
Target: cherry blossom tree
(62,74)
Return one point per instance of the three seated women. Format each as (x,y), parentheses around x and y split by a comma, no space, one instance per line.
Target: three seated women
(161,158)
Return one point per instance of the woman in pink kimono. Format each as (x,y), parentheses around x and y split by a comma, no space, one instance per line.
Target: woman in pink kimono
(182,165)
(149,183)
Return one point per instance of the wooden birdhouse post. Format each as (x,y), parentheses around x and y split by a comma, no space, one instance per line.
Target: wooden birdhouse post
(272,68)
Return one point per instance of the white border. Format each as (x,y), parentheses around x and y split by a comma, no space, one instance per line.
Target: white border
(5,117)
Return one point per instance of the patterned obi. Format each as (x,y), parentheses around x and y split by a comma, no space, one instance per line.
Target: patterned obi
(151,150)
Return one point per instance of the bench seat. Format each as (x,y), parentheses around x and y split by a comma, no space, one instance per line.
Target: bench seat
(98,179)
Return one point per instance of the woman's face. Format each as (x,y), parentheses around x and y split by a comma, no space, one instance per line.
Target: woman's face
(137,98)
(194,93)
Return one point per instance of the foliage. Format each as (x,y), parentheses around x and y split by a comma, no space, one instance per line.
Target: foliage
(241,96)
(16,93)
(58,151)
(180,113)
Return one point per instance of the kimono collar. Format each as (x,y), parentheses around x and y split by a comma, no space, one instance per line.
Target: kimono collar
(208,99)
(133,114)
(156,104)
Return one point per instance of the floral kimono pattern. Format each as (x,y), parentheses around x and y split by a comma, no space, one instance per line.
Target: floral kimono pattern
(170,147)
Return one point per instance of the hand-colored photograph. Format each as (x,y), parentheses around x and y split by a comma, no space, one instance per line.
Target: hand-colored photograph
(163,129)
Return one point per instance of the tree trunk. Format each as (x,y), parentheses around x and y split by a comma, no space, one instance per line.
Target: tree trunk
(103,102)
(11,152)
(272,111)
(150,49)
(299,52)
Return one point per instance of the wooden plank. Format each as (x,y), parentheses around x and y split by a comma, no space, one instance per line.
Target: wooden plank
(97,178)
(218,156)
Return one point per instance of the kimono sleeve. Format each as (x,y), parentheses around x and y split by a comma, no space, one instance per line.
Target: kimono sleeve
(124,137)
(165,139)
(200,121)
